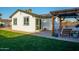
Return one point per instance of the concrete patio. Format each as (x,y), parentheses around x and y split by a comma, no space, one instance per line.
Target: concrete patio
(48,34)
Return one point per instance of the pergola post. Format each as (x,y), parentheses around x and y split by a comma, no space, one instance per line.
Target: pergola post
(60,24)
(53,25)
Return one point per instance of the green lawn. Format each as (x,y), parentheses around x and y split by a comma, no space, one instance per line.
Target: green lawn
(22,42)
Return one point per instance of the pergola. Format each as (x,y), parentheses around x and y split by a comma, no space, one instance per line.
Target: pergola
(68,13)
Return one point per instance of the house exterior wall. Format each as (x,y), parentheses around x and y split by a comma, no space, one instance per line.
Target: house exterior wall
(47,23)
(20,22)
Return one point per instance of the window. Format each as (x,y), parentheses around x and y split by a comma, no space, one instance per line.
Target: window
(26,20)
(15,21)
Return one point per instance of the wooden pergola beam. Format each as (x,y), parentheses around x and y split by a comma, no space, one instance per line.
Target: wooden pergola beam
(53,18)
(75,10)
(58,13)
(60,25)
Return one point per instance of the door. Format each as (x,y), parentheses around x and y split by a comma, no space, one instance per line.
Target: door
(38,24)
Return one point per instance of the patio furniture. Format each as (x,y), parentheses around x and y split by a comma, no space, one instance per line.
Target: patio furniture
(66,33)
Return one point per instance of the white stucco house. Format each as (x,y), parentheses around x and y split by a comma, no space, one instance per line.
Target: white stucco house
(54,21)
(30,22)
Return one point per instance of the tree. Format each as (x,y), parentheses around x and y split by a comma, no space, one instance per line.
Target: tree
(0,15)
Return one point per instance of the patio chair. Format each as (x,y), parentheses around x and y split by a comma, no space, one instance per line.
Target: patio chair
(66,33)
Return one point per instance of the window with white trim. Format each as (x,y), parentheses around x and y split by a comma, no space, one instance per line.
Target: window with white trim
(26,20)
(15,21)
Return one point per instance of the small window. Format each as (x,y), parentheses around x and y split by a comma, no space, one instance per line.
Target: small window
(26,20)
(15,21)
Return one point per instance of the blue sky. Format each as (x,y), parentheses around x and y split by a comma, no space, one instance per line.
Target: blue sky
(7,11)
